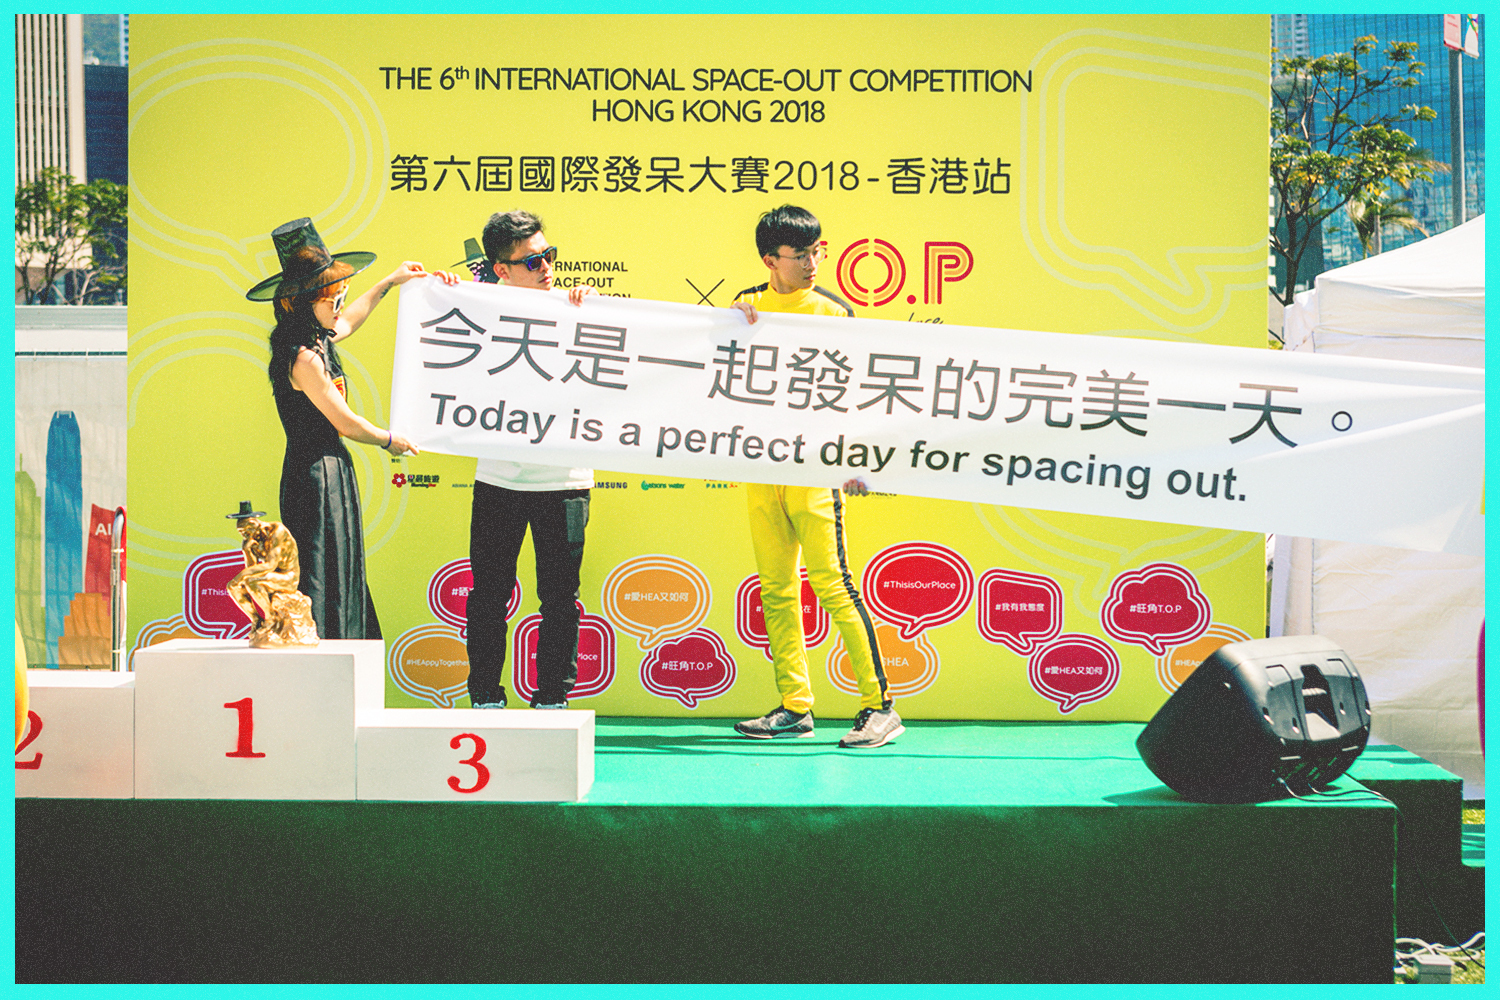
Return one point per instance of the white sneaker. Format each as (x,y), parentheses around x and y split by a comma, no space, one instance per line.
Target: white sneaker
(873,727)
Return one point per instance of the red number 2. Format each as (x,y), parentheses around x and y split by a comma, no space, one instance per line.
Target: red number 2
(33,730)
(244,744)
(481,773)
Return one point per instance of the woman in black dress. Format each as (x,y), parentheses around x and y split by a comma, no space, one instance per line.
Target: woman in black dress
(319,494)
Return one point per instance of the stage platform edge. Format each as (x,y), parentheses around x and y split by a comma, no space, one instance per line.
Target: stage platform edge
(696,857)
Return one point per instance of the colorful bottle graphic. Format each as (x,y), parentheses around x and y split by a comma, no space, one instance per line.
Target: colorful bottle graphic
(64,513)
(31,609)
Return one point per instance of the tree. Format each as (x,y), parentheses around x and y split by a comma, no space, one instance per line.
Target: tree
(1327,148)
(1371,215)
(71,231)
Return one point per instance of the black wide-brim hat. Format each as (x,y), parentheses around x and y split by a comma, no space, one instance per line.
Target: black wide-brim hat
(477,263)
(245,512)
(305,263)
(473,253)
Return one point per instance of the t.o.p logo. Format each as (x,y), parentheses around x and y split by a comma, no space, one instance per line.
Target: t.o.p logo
(690,668)
(943,262)
(1157,606)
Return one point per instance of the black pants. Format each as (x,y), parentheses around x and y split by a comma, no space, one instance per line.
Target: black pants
(496,528)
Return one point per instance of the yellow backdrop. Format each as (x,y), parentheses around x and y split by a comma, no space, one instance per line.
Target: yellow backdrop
(1081,174)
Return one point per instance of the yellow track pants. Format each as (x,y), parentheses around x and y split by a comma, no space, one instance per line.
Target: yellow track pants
(791,521)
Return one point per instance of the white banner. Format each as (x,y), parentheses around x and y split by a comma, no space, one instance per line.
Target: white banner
(1345,448)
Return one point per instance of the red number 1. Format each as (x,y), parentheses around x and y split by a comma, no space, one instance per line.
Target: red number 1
(246,709)
(33,730)
(481,773)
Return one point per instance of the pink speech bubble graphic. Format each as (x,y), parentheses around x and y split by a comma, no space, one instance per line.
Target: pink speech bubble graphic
(596,655)
(750,617)
(206,604)
(1021,611)
(1157,606)
(691,669)
(1074,670)
(448,595)
(918,585)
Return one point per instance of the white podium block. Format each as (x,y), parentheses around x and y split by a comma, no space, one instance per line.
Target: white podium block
(470,754)
(215,719)
(81,741)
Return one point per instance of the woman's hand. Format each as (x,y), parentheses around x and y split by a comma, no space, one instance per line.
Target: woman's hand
(408,270)
(401,446)
(356,312)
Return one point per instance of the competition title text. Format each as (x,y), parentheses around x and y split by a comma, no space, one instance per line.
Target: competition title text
(651,82)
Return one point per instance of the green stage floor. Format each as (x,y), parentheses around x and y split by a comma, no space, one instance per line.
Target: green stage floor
(701,762)
(963,852)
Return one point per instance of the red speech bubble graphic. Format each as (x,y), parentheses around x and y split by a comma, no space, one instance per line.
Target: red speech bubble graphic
(448,595)
(1157,606)
(750,617)
(918,585)
(1074,670)
(1020,611)
(692,668)
(206,604)
(596,655)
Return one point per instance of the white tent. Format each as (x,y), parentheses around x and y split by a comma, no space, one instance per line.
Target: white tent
(1410,620)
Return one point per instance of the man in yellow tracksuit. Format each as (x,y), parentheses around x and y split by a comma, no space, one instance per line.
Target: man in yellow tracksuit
(786,520)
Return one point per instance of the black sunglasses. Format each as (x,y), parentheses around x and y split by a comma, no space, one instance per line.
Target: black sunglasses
(534,262)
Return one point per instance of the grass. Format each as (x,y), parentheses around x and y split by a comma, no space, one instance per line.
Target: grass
(1465,970)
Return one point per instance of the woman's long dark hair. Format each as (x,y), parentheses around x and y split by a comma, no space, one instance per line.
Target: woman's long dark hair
(296,328)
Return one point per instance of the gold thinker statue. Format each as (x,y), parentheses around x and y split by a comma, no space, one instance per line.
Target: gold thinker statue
(266,589)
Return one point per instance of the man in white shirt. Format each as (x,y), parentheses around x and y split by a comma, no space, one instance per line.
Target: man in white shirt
(509,497)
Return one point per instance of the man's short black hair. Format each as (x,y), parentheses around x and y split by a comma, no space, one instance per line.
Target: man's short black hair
(787,226)
(505,230)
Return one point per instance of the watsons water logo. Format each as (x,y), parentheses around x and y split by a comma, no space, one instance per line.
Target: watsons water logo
(661,486)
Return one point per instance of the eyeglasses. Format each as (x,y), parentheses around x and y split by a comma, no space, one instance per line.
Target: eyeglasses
(814,255)
(338,300)
(534,262)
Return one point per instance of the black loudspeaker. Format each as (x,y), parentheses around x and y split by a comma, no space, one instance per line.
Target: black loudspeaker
(1257,717)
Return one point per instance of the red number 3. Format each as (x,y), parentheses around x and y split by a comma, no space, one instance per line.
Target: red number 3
(481,773)
(33,730)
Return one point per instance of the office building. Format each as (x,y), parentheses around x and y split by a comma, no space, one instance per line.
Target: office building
(1431,201)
